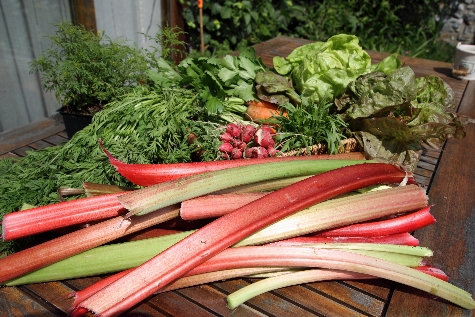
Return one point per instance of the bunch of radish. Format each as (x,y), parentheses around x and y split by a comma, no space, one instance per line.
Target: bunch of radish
(246,141)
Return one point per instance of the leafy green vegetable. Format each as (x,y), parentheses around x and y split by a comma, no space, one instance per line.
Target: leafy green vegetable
(325,68)
(387,65)
(377,92)
(144,127)
(219,78)
(275,89)
(391,115)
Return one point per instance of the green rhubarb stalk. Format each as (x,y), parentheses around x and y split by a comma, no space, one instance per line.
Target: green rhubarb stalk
(284,280)
(342,260)
(161,195)
(118,257)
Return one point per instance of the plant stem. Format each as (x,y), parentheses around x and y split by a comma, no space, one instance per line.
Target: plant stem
(226,231)
(49,252)
(28,222)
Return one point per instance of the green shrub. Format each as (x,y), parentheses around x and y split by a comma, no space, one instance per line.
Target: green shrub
(394,26)
(86,70)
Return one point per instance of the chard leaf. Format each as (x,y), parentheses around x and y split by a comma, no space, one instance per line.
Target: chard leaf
(226,61)
(242,90)
(227,75)
(372,92)
(275,88)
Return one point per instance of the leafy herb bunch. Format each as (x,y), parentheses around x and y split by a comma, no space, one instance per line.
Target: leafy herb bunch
(86,69)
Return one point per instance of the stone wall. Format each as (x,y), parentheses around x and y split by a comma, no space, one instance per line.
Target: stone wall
(459,26)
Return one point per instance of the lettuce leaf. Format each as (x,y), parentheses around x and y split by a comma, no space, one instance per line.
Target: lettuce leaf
(324,69)
(392,114)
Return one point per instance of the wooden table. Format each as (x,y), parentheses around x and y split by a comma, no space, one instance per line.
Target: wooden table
(448,176)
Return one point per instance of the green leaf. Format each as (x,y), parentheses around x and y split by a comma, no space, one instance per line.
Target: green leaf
(227,75)
(242,90)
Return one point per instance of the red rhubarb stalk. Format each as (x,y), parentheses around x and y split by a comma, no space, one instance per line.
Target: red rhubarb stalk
(399,238)
(186,281)
(406,223)
(46,218)
(213,206)
(150,174)
(49,252)
(220,267)
(231,228)
(434,271)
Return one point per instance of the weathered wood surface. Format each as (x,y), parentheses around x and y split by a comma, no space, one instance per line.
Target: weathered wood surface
(452,238)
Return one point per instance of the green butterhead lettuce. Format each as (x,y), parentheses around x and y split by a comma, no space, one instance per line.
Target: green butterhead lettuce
(324,69)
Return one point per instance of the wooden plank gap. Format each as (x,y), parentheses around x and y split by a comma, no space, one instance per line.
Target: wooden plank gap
(41,301)
(341,302)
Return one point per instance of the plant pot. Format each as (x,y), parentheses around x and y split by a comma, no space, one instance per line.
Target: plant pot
(74,122)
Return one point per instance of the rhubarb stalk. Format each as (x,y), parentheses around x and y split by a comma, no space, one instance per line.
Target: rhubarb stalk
(46,218)
(49,252)
(150,174)
(229,229)
(342,260)
(157,196)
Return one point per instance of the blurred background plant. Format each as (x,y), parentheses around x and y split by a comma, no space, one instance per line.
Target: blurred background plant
(395,26)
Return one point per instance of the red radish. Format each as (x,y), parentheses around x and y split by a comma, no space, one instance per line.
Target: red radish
(226,137)
(264,138)
(234,130)
(247,134)
(238,144)
(262,152)
(226,147)
(236,154)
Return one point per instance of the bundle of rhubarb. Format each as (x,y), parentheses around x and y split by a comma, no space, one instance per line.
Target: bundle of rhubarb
(286,220)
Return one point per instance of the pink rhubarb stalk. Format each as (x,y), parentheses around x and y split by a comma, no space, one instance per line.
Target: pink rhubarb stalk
(300,257)
(213,206)
(49,252)
(341,260)
(231,228)
(150,174)
(185,281)
(399,238)
(46,218)
(406,223)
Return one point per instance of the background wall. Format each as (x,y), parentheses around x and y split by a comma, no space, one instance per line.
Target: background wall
(460,25)
(23,28)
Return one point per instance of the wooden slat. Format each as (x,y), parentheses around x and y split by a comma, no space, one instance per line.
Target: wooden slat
(269,303)
(83,13)
(24,135)
(15,303)
(214,301)
(53,293)
(453,236)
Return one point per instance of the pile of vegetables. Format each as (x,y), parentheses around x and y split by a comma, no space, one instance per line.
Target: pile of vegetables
(286,231)
(211,133)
